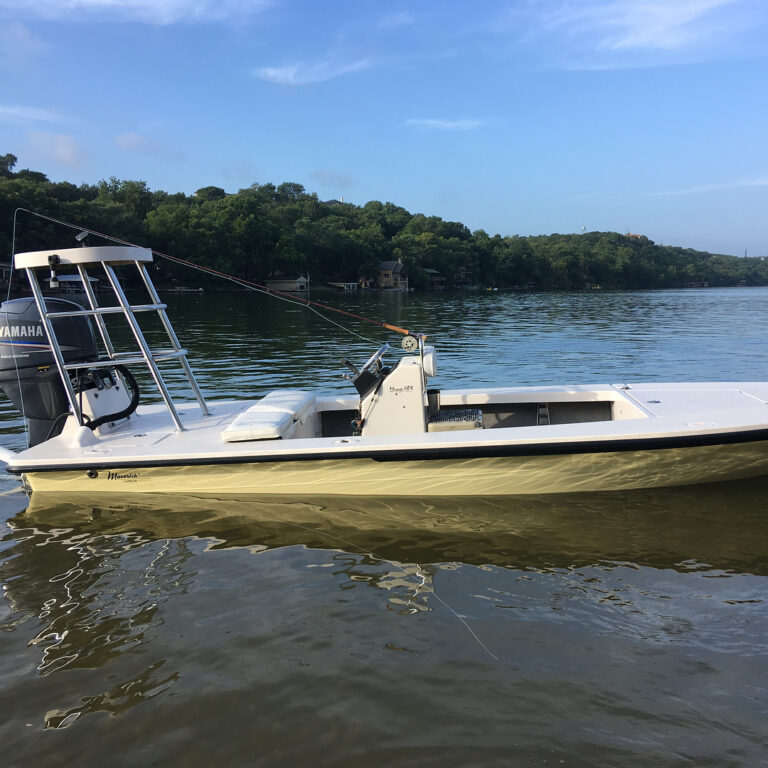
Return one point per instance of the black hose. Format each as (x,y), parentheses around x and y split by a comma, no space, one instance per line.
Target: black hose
(56,426)
(128,376)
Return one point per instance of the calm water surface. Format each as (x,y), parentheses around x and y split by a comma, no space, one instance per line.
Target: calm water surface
(624,629)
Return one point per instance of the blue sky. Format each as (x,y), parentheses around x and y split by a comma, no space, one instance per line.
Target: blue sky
(520,117)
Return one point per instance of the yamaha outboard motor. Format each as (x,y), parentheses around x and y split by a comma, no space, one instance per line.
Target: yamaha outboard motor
(28,372)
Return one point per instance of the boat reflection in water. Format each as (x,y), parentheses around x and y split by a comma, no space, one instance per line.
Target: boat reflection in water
(722,525)
(136,600)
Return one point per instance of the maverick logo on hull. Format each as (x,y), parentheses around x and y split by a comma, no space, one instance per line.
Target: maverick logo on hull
(122,475)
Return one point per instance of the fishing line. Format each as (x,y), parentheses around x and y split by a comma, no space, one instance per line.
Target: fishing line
(275,294)
(238,280)
(402,570)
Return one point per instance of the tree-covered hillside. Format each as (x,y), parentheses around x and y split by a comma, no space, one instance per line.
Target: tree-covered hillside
(266,228)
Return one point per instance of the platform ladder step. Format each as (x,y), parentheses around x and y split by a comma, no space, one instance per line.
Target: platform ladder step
(107,311)
(80,259)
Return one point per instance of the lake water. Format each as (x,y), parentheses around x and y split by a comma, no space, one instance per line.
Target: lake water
(622,629)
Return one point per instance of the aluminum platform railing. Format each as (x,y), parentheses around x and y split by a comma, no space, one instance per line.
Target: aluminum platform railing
(108,257)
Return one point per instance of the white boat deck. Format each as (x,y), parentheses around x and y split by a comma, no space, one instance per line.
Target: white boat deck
(670,410)
(713,400)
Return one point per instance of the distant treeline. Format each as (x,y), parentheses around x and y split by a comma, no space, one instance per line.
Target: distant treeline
(267,229)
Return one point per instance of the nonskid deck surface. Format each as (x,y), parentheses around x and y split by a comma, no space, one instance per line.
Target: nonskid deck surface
(713,398)
(668,411)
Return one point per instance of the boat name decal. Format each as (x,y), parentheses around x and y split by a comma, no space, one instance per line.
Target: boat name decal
(122,475)
(20,330)
(406,388)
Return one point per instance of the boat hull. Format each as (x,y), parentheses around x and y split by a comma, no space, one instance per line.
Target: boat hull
(581,471)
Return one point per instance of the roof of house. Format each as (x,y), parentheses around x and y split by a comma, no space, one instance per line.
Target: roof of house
(392,266)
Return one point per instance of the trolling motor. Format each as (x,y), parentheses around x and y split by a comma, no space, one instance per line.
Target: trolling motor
(31,380)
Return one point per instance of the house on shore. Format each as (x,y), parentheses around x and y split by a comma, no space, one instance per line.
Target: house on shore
(393,276)
(437,282)
(280,282)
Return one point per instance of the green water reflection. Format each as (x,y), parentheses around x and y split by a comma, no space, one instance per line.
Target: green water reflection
(723,525)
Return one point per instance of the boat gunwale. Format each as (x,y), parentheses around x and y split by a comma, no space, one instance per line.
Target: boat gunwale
(406,454)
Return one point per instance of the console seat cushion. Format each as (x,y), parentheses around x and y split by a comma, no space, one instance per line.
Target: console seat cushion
(271,417)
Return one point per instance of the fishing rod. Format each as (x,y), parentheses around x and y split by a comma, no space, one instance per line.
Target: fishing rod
(217,273)
(292,297)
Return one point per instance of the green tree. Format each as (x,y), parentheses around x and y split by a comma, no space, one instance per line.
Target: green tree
(7,163)
(210,193)
(264,228)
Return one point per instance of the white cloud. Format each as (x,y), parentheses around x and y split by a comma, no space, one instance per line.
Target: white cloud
(302,74)
(18,45)
(144,145)
(622,34)
(646,24)
(445,125)
(57,148)
(20,114)
(151,11)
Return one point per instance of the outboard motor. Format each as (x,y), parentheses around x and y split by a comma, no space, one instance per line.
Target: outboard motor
(28,372)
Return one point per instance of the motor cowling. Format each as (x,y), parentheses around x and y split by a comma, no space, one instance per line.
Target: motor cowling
(28,372)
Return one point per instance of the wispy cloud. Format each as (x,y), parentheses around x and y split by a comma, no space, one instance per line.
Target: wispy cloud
(20,114)
(18,45)
(330,178)
(144,145)
(150,11)
(445,125)
(303,73)
(715,187)
(652,24)
(619,34)
(57,148)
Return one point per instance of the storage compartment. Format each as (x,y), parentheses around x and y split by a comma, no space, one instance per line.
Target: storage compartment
(502,415)
(577,413)
(338,423)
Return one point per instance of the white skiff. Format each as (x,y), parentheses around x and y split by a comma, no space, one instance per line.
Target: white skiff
(393,436)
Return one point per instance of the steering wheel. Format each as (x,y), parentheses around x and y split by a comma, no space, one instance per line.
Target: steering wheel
(374,358)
